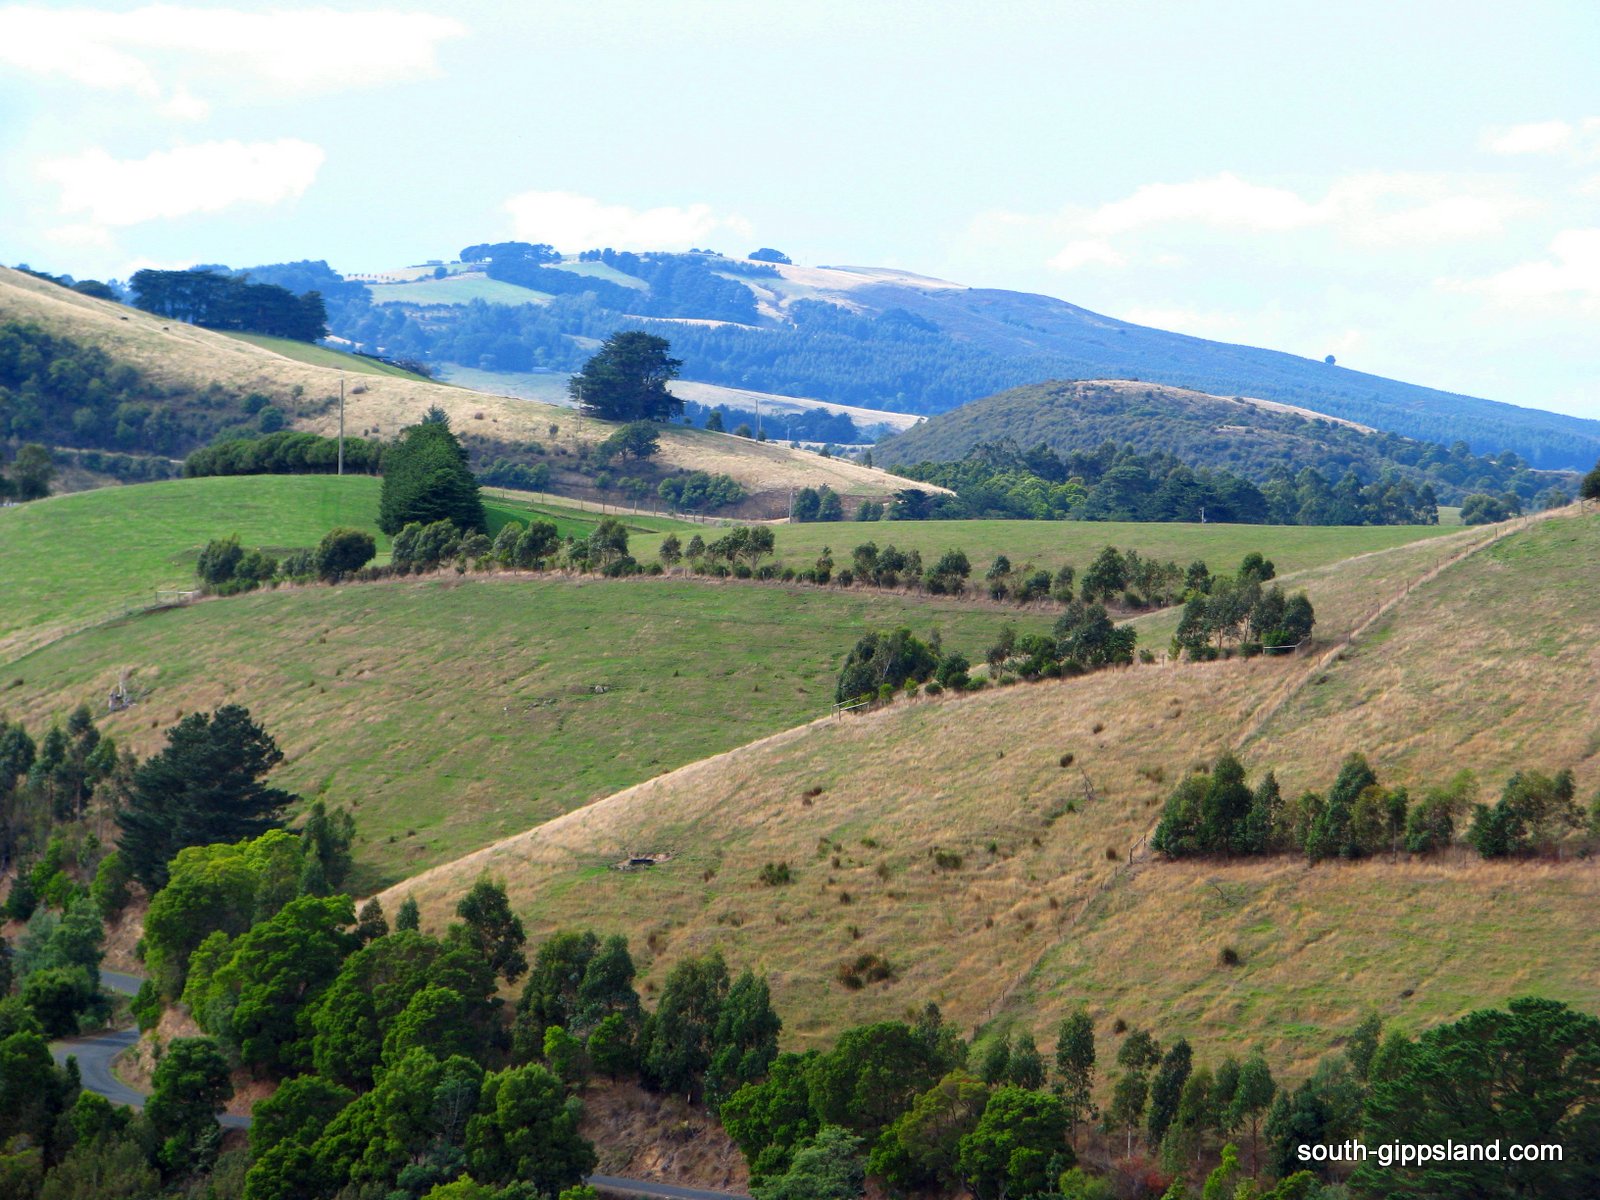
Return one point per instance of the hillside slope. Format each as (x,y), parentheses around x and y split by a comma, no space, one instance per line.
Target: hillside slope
(184,357)
(469,708)
(1042,910)
(1249,437)
(894,340)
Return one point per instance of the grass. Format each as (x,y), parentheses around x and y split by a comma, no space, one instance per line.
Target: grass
(325,356)
(93,555)
(1050,544)
(450,712)
(183,356)
(1036,919)
(454,289)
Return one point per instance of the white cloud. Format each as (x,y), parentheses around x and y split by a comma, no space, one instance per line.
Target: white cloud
(1225,200)
(1571,270)
(571,222)
(152,51)
(1087,252)
(1395,209)
(1536,137)
(204,178)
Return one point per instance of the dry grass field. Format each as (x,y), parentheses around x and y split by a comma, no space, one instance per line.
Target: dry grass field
(1043,912)
(175,354)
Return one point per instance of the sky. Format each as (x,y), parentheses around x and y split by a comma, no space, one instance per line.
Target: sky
(1413,187)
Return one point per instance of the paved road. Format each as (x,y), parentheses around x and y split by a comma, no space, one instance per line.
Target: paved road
(670,1191)
(96,1053)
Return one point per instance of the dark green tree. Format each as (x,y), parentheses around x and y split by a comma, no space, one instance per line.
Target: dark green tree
(638,440)
(1075,1056)
(189,1088)
(1167,1089)
(525,1130)
(1529,1075)
(204,786)
(494,929)
(425,479)
(681,1039)
(745,1040)
(551,995)
(627,379)
(32,472)
(1018,1146)
(408,915)
(343,552)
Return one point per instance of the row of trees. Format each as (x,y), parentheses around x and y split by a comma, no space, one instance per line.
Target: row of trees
(286,452)
(1217,812)
(218,300)
(1112,483)
(225,568)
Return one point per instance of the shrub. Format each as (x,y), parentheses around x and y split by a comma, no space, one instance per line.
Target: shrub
(342,552)
(947,860)
(776,874)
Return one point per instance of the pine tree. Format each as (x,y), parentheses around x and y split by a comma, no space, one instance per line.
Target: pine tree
(204,787)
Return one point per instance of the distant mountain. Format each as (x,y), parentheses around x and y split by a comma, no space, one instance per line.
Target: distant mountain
(872,338)
(1252,438)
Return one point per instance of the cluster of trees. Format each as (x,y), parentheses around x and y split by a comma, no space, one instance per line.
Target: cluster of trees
(918,1111)
(60,392)
(1483,508)
(809,425)
(426,479)
(225,568)
(1217,812)
(284,453)
(1238,610)
(1112,483)
(699,491)
(124,468)
(218,300)
(816,504)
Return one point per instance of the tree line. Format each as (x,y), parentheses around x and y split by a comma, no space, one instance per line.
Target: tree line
(217,300)
(1112,483)
(1216,812)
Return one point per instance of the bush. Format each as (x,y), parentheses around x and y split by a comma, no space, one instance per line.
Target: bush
(776,874)
(342,552)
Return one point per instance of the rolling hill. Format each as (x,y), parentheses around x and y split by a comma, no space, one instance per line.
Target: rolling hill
(1249,437)
(205,377)
(1042,908)
(467,708)
(894,340)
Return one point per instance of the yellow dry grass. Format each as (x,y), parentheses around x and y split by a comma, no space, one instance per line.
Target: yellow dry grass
(1037,917)
(179,355)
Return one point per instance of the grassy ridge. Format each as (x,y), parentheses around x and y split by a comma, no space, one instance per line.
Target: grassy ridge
(73,560)
(452,712)
(1050,544)
(1037,916)
(324,356)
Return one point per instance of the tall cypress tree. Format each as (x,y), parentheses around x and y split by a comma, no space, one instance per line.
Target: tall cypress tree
(204,787)
(425,479)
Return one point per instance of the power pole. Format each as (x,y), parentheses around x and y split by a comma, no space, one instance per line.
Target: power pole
(341,425)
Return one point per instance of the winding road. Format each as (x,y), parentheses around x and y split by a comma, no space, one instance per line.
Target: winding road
(96,1053)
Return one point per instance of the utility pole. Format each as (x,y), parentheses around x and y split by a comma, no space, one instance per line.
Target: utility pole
(341,425)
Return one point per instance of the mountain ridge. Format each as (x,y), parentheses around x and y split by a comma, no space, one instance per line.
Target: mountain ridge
(894,340)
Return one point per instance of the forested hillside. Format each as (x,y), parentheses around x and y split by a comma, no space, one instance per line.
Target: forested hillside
(1255,441)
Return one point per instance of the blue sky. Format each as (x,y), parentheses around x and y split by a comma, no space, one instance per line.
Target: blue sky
(1414,187)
